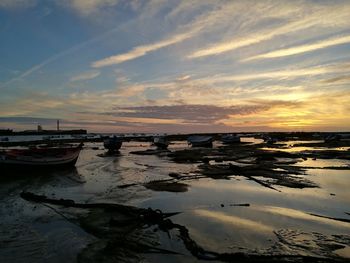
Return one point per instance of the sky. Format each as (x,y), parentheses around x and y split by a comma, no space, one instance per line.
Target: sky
(175,66)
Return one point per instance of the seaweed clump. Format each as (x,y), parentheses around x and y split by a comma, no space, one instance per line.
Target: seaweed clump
(125,233)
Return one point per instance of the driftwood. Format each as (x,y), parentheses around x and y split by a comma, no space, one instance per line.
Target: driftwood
(146,214)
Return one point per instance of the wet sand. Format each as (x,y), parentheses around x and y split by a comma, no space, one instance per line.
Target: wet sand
(287,199)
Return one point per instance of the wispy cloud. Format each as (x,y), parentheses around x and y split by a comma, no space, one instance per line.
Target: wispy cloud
(345,78)
(201,23)
(319,17)
(283,74)
(229,46)
(195,113)
(88,7)
(86,75)
(187,113)
(59,55)
(303,48)
(30,104)
(28,120)
(141,50)
(41,65)
(182,78)
(176,93)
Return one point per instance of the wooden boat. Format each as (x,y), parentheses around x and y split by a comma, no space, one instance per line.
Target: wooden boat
(269,140)
(161,142)
(332,138)
(40,157)
(230,139)
(113,144)
(200,141)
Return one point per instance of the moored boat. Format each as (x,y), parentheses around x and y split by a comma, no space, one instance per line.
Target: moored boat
(40,157)
(230,139)
(161,142)
(200,141)
(113,144)
(269,140)
(332,138)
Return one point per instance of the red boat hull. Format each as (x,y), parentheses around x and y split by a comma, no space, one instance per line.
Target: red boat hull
(39,158)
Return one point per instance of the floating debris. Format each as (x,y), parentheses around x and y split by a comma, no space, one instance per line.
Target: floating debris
(150,152)
(169,186)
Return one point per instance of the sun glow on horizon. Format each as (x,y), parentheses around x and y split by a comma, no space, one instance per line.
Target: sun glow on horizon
(169,66)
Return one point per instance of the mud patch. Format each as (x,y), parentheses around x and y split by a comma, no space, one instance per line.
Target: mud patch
(151,152)
(167,186)
(22,241)
(126,232)
(311,244)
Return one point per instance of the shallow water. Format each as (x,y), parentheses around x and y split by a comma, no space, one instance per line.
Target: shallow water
(324,163)
(288,146)
(36,233)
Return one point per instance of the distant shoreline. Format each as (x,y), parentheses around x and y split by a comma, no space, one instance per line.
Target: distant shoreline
(10,132)
(73,136)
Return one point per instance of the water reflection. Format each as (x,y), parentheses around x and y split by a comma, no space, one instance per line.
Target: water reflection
(321,163)
(205,207)
(297,214)
(302,148)
(234,220)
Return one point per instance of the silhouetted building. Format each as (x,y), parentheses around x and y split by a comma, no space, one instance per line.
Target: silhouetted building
(6,131)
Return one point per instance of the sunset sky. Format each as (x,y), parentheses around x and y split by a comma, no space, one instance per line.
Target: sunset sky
(175,66)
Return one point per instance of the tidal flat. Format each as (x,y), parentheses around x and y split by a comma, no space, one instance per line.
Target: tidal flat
(245,202)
